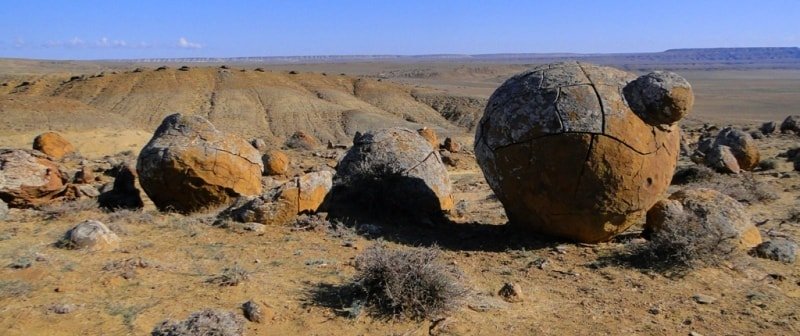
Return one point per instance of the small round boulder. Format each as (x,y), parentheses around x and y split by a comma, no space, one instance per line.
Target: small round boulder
(741,145)
(660,97)
(275,162)
(53,144)
(567,156)
(391,171)
(91,234)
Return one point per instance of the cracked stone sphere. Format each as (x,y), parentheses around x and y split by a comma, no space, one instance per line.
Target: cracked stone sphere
(566,154)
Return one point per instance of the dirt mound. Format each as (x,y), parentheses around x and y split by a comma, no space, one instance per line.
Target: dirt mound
(270,105)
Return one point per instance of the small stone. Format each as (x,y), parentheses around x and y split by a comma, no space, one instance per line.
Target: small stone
(654,311)
(778,249)
(704,299)
(694,333)
(63,308)
(430,136)
(451,145)
(254,227)
(91,234)
(275,162)
(511,292)
(768,127)
(253,312)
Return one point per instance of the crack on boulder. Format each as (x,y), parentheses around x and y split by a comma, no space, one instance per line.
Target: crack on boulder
(432,153)
(558,112)
(599,99)
(585,160)
(572,132)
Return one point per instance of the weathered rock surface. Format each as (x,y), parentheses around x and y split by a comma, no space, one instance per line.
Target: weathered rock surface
(302,140)
(660,97)
(393,170)
(451,145)
(28,180)
(791,124)
(430,136)
(91,234)
(768,127)
(205,322)
(779,249)
(3,210)
(53,144)
(275,162)
(124,194)
(741,145)
(282,204)
(715,213)
(189,165)
(721,158)
(567,156)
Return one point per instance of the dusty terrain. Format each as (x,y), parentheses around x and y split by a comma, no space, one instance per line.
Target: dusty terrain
(162,265)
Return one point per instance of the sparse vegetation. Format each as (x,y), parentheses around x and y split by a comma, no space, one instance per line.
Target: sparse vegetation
(60,209)
(230,276)
(14,289)
(414,283)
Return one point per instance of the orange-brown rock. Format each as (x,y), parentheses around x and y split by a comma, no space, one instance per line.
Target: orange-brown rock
(53,144)
(741,145)
(302,140)
(275,162)
(189,165)
(430,136)
(28,180)
(451,145)
(710,211)
(567,156)
(281,205)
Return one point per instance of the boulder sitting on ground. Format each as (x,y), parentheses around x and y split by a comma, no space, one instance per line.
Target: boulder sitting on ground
(390,172)
(779,249)
(53,144)
(791,124)
(205,322)
(124,194)
(430,135)
(280,205)
(28,179)
(568,156)
(768,127)
(451,145)
(275,162)
(189,165)
(741,145)
(710,212)
(302,140)
(92,235)
(721,158)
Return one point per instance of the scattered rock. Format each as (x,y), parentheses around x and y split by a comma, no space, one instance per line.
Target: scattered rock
(741,145)
(63,308)
(721,158)
(703,299)
(189,165)
(124,194)
(84,175)
(29,180)
(205,322)
(757,135)
(768,128)
(430,136)
(259,144)
(777,249)
(53,144)
(711,211)
(791,124)
(451,145)
(511,292)
(390,171)
(275,162)
(253,312)
(302,140)
(567,156)
(92,235)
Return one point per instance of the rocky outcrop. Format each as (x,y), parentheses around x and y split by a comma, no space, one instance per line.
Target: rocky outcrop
(711,212)
(189,165)
(28,179)
(568,156)
(53,144)
(390,171)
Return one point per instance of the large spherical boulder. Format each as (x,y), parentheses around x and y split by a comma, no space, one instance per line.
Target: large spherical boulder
(391,171)
(53,144)
(707,212)
(28,179)
(568,156)
(189,165)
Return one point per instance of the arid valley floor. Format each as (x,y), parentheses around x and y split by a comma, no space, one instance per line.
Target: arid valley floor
(161,267)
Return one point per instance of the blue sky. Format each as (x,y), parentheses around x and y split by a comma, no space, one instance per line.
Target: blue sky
(148,29)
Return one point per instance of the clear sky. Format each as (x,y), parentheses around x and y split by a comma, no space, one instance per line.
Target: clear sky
(103,29)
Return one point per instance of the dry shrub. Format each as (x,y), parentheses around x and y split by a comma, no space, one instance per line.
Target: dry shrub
(59,209)
(742,187)
(205,322)
(230,276)
(413,283)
